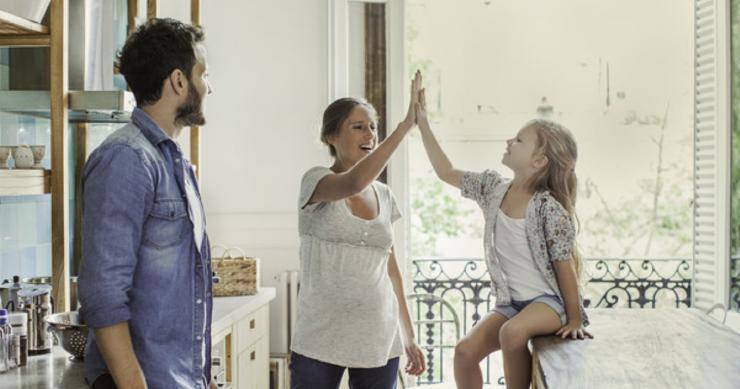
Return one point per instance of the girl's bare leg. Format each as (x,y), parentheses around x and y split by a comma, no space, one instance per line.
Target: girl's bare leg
(482,340)
(534,320)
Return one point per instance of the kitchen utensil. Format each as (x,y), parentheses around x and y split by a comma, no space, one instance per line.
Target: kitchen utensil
(70,333)
(35,300)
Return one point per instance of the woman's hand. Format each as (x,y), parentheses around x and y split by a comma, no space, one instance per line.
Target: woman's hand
(574,331)
(410,119)
(415,364)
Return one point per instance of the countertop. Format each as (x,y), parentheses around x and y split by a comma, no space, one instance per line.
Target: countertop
(57,370)
(227,310)
(53,370)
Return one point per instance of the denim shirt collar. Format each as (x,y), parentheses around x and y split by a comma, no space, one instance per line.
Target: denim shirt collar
(148,127)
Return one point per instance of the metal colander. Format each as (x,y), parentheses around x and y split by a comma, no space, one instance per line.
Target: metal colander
(69,332)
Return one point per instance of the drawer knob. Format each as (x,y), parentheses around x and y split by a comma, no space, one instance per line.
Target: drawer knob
(252,324)
(253,355)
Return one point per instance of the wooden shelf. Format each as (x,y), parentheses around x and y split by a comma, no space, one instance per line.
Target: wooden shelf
(15,25)
(17,31)
(23,182)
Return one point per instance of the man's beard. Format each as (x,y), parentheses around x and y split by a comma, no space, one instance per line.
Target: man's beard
(190,113)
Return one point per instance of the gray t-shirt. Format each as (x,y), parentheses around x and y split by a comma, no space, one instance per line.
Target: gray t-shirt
(347,310)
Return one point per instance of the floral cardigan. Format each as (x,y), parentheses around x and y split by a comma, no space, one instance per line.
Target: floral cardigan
(549,228)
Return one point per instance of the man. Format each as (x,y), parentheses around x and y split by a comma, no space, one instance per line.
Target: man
(145,277)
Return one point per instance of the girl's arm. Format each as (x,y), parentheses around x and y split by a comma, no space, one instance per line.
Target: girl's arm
(442,165)
(415,364)
(338,186)
(569,290)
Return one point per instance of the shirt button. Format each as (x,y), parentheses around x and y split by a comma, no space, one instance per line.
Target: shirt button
(198,301)
(198,337)
(362,242)
(177,160)
(364,233)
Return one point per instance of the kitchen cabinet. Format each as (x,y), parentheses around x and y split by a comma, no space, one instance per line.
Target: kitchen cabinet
(253,366)
(241,327)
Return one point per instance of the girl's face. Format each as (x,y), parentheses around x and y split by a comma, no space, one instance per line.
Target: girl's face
(520,151)
(356,138)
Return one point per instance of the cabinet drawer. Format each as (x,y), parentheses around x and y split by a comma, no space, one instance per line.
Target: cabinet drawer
(251,327)
(254,366)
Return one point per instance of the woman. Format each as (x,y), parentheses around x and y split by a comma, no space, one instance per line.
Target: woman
(352,297)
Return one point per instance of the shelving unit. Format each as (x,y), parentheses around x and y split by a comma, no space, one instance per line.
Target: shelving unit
(63,107)
(18,32)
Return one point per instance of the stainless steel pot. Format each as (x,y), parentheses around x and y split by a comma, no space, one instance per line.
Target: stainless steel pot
(35,300)
(74,304)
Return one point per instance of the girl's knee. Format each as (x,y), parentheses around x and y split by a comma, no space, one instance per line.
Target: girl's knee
(512,337)
(465,351)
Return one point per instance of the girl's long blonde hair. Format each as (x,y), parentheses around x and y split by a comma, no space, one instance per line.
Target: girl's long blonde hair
(558,176)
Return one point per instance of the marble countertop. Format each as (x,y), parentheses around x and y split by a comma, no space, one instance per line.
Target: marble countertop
(57,370)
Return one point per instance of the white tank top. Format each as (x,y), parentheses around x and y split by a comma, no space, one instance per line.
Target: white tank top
(512,250)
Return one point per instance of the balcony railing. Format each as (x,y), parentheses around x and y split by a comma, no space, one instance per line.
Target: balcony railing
(465,285)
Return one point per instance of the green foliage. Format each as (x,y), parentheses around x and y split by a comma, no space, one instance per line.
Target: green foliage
(735,188)
(434,214)
(735,199)
(641,225)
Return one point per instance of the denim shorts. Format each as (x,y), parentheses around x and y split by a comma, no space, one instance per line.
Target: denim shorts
(510,310)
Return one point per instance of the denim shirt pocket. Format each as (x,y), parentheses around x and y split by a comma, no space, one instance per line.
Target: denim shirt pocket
(167,223)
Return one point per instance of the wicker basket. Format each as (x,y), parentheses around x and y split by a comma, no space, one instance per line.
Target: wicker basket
(234,276)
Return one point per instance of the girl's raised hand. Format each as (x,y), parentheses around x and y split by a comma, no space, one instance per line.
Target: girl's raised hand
(421,110)
(573,331)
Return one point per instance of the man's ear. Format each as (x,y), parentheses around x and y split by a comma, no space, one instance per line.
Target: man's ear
(178,82)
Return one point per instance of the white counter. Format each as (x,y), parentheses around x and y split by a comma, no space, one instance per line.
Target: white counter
(227,310)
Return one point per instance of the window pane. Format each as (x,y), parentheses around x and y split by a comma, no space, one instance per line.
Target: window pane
(621,80)
(735,199)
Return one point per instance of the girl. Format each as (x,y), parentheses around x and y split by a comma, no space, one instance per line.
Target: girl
(352,297)
(529,243)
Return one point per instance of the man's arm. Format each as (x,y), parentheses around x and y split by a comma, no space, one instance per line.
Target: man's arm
(117,195)
(114,342)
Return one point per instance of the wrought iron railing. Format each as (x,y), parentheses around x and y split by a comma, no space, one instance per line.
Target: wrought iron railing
(464,283)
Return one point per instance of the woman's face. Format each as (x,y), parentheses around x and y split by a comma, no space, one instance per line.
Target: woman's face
(356,137)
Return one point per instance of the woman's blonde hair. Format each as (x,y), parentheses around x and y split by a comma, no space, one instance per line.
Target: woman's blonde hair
(558,176)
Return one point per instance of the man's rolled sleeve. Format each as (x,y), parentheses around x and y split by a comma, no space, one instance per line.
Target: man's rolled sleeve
(117,195)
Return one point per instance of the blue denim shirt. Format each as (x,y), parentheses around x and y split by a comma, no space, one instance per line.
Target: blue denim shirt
(139,259)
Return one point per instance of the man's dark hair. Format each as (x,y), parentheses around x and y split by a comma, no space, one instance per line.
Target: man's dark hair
(153,52)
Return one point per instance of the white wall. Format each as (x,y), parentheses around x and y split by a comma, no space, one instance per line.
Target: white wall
(268,69)
(268,64)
